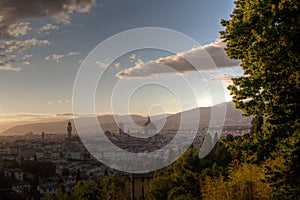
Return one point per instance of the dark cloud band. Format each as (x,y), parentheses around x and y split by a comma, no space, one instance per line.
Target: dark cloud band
(12,11)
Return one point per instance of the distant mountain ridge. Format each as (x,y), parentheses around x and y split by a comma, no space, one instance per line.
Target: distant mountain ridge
(234,118)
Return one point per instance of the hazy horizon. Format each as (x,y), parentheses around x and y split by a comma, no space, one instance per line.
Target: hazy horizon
(9,120)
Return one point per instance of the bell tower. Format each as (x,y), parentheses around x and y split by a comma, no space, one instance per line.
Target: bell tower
(69,129)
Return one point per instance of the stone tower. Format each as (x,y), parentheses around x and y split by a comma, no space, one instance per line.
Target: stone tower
(69,129)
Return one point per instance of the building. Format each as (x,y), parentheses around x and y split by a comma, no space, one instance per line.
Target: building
(27,154)
(21,188)
(69,129)
(14,173)
(47,188)
(74,155)
(149,127)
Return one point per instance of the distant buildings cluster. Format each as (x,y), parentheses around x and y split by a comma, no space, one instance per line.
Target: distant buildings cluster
(72,161)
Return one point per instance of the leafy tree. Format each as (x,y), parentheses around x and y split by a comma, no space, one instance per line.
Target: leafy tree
(183,179)
(60,195)
(264,35)
(48,196)
(245,181)
(257,123)
(114,187)
(215,188)
(87,190)
(111,187)
(160,186)
(253,148)
(284,171)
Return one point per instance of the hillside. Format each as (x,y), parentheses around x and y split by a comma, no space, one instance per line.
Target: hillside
(233,118)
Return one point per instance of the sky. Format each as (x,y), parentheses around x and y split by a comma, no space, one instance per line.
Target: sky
(43,45)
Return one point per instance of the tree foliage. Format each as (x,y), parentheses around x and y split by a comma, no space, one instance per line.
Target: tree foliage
(111,187)
(245,181)
(183,179)
(264,35)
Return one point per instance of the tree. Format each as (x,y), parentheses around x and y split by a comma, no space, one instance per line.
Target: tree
(265,36)
(284,171)
(48,196)
(159,186)
(256,124)
(111,187)
(61,195)
(114,187)
(245,181)
(183,178)
(87,190)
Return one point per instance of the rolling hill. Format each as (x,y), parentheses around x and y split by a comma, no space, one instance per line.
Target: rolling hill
(234,118)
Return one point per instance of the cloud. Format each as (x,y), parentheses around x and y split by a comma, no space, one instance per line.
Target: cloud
(14,16)
(104,64)
(117,65)
(133,58)
(54,57)
(48,27)
(18,29)
(60,101)
(8,67)
(177,64)
(31,117)
(18,45)
(7,60)
(58,57)
(13,30)
(225,78)
(11,46)
(12,11)
(73,53)
(101,64)
(25,59)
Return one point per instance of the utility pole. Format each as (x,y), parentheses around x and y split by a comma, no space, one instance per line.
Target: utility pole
(132,187)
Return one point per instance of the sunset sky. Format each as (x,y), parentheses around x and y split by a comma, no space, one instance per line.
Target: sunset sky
(43,43)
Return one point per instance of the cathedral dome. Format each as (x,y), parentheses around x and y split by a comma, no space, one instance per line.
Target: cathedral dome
(149,127)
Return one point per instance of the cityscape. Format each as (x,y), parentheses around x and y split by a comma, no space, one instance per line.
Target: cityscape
(149,100)
(68,161)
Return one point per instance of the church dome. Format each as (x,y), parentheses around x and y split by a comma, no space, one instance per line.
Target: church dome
(149,127)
